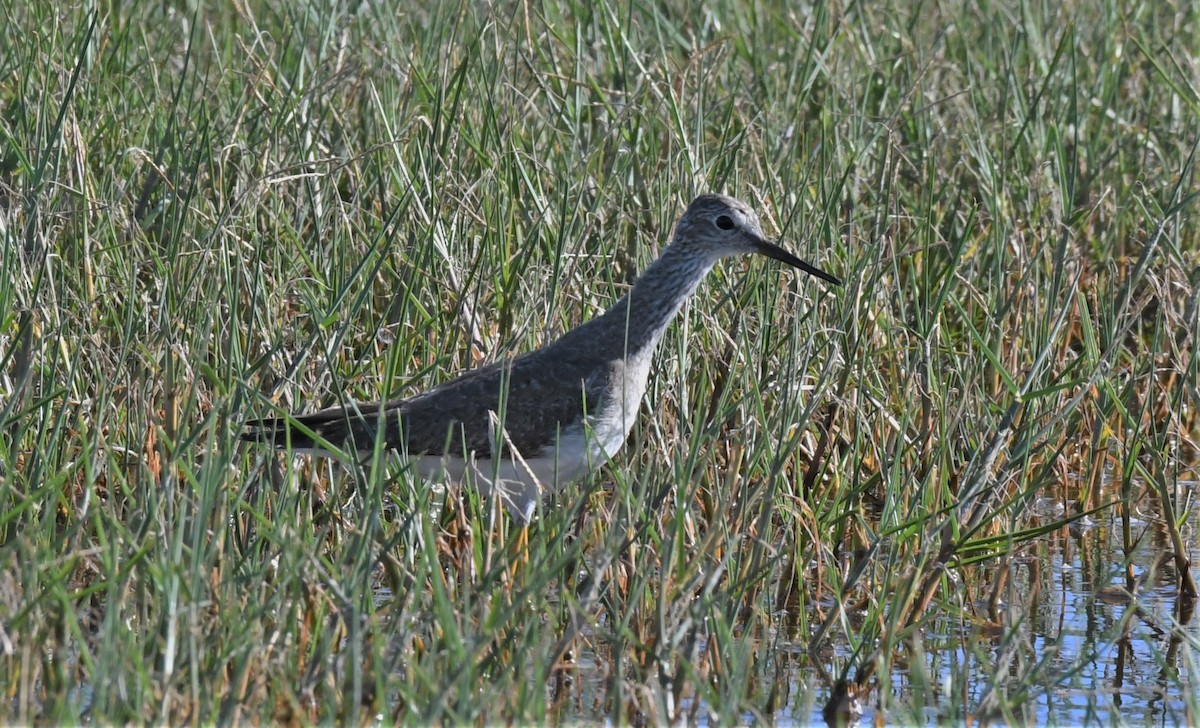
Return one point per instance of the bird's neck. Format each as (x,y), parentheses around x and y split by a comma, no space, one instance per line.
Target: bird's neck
(644,313)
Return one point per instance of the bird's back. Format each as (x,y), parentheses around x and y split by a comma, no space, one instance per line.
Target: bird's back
(536,396)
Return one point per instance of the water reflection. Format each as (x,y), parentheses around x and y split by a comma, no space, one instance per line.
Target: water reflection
(1073,636)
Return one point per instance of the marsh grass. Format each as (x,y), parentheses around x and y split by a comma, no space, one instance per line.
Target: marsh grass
(224,212)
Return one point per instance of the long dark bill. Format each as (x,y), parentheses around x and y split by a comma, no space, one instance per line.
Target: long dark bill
(771,250)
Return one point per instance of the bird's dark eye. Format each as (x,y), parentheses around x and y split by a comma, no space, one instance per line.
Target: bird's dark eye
(725,222)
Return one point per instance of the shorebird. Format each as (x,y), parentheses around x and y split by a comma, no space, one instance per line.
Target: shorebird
(555,413)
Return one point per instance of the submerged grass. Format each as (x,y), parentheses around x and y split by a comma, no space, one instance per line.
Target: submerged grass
(215,213)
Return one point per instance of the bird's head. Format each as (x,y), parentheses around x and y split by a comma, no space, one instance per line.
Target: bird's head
(721,226)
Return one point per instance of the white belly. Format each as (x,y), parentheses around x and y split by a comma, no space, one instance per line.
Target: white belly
(519,482)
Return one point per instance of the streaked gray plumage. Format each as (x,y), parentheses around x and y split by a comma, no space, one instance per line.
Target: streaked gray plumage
(568,406)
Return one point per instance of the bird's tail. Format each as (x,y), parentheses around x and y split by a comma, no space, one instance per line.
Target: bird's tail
(349,429)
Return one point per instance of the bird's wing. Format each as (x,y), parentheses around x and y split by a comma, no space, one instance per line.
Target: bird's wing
(535,400)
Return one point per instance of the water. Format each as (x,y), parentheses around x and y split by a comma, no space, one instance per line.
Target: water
(1071,646)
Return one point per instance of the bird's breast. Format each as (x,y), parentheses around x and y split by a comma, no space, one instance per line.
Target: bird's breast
(610,424)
